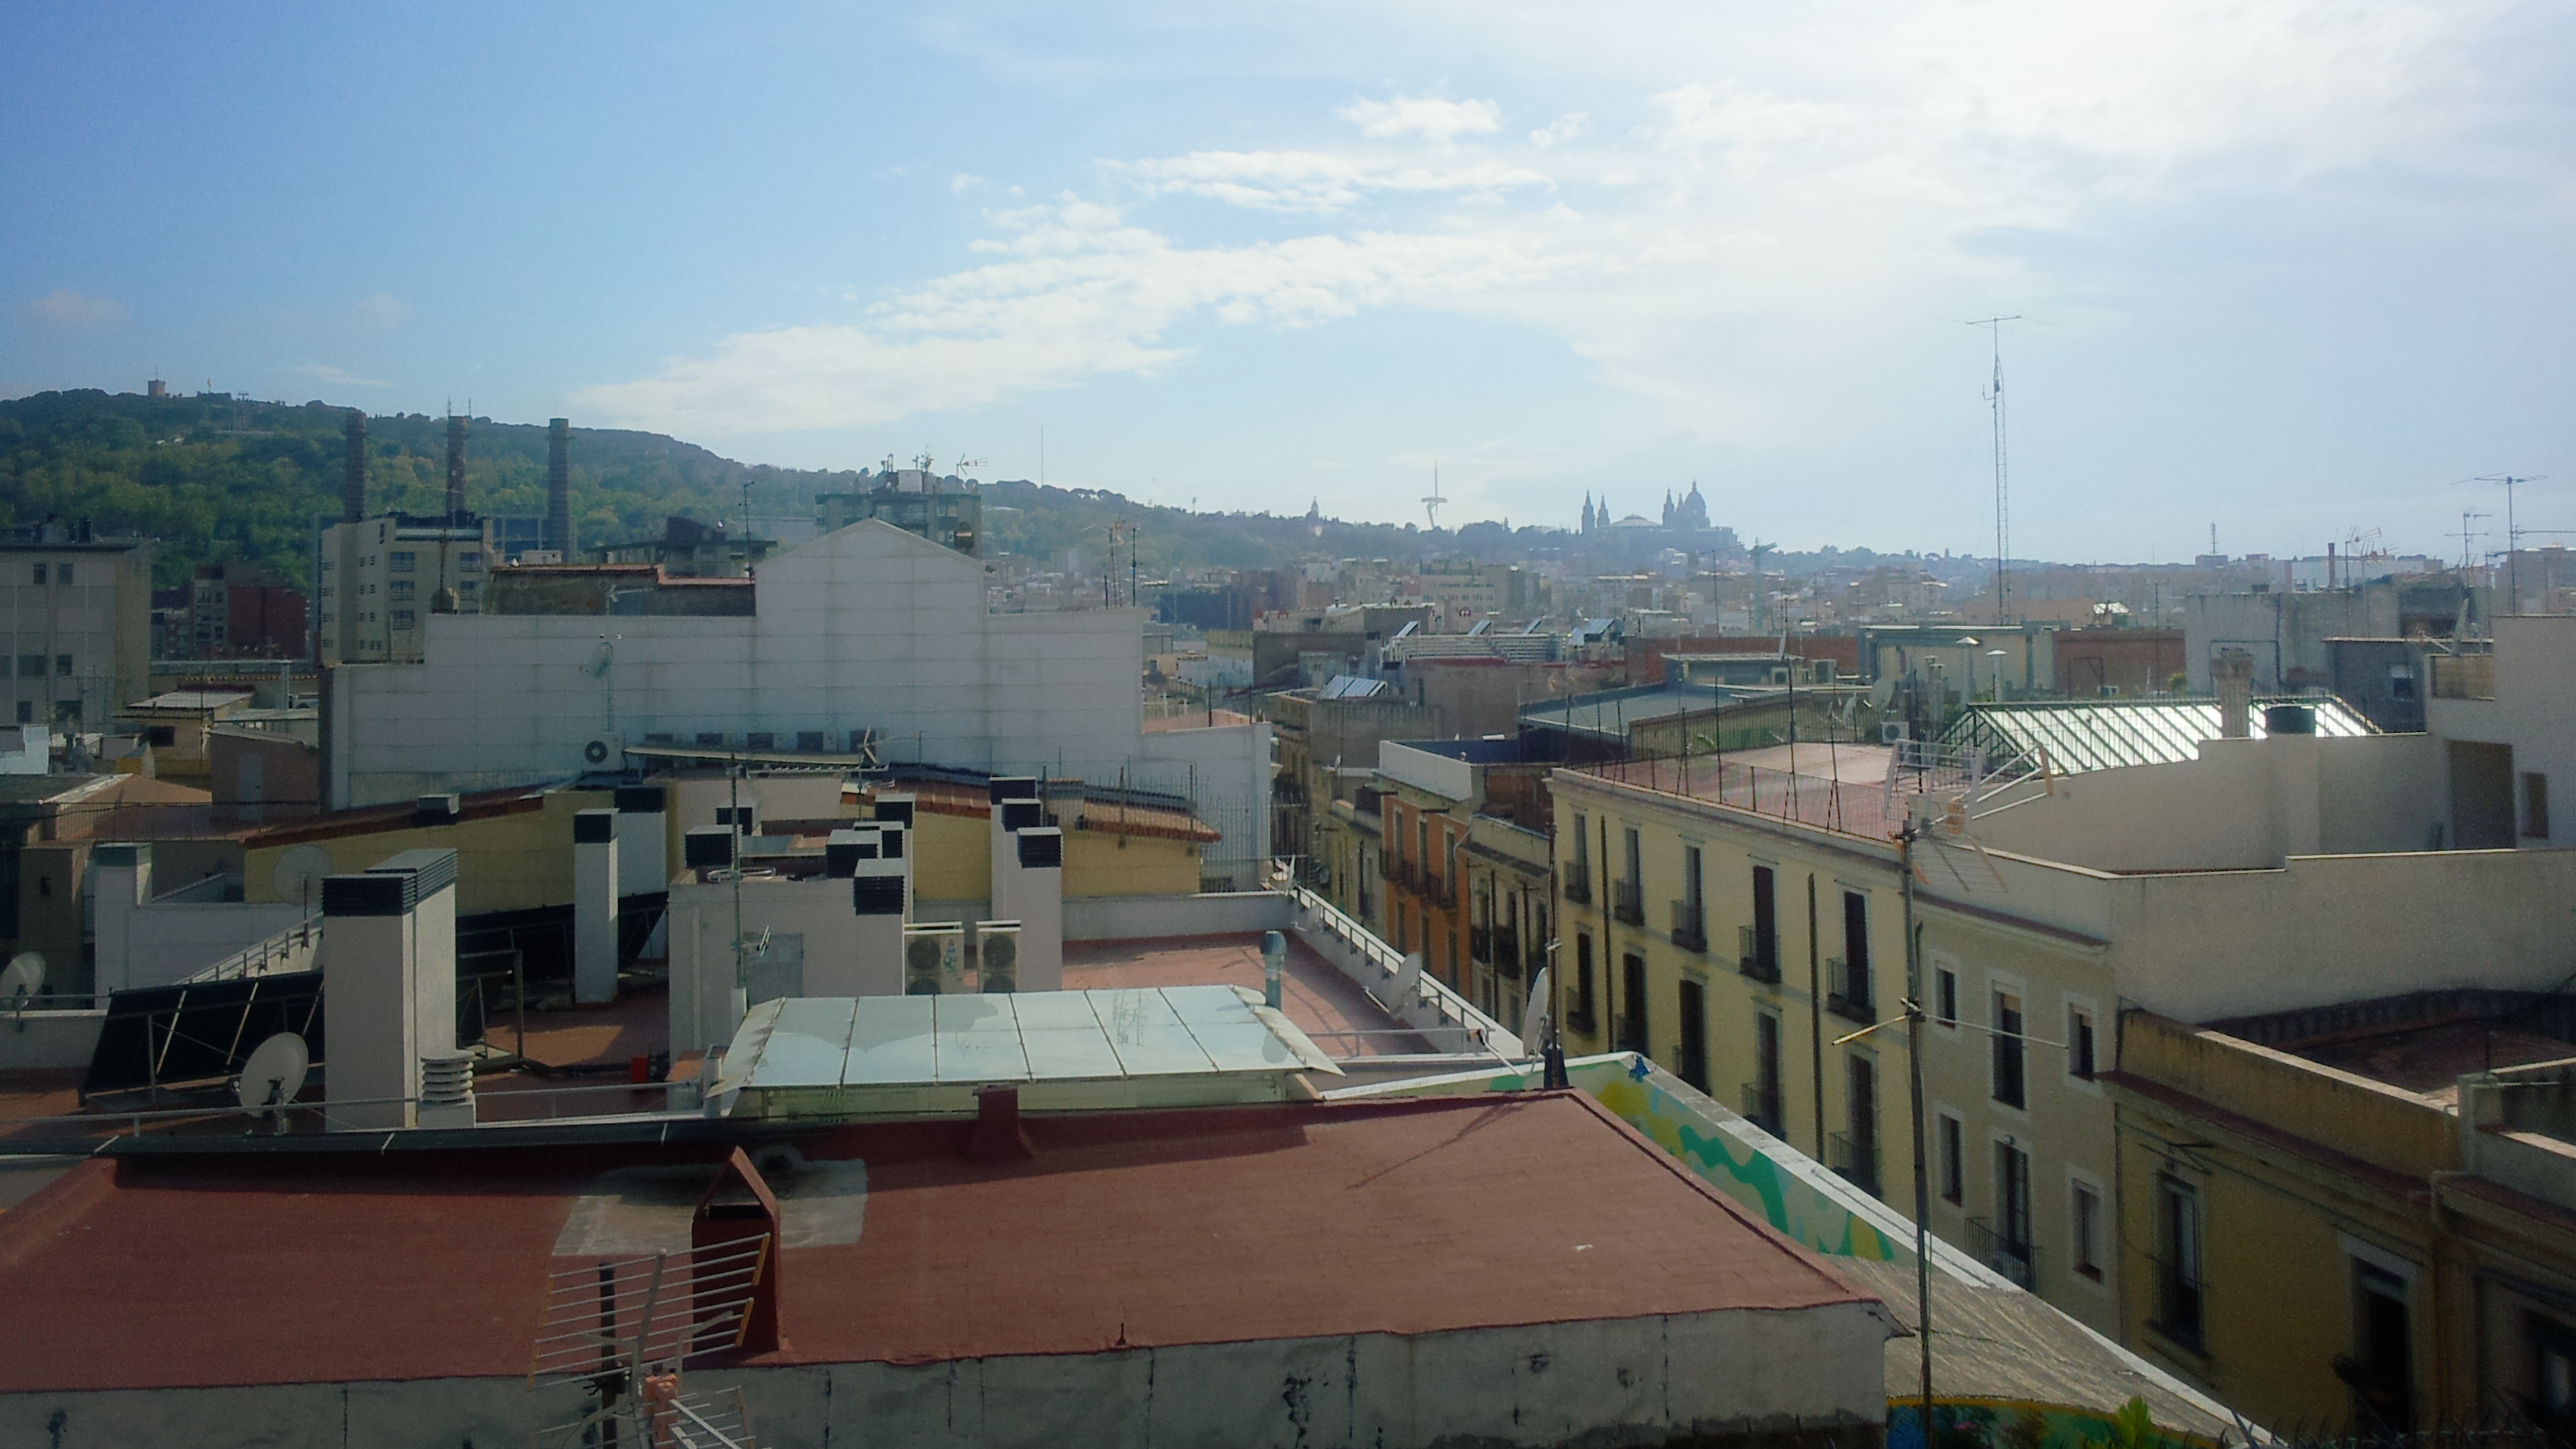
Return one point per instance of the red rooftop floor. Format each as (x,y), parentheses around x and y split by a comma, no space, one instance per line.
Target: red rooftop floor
(1137,1229)
(1325,1004)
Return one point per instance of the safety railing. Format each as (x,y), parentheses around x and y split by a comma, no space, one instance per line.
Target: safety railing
(290,949)
(1384,976)
(1690,926)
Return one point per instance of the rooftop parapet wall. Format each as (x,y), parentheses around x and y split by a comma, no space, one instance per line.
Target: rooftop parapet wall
(2382,1125)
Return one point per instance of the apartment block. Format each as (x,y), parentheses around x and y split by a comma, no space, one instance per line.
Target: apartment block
(76,613)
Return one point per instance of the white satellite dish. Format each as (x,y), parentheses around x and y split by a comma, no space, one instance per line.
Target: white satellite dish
(1883,691)
(297,876)
(22,978)
(275,1071)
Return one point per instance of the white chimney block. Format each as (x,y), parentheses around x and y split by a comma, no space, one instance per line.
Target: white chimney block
(643,839)
(120,883)
(1037,900)
(594,908)
(388,985)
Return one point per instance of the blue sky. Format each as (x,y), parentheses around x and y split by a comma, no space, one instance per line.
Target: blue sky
(2291,268)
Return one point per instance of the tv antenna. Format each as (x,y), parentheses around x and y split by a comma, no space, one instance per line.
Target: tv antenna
(2003,490)
(2468,537)
(1431,505)
(2512,537)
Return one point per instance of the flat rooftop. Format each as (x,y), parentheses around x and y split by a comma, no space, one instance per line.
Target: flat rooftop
(2423,1042)
(1327,1006)
(1123,1230)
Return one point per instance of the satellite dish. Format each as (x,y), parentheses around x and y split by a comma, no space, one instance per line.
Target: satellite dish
(297,876)
(1883,691)
(22,978)
(274,1073)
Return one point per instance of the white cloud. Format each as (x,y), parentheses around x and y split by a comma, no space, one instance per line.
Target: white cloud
(1563,128)
(964,181)
(1080,295)
(1315,181)
(1433,118)
(64,310)
(380,312)
(324,372)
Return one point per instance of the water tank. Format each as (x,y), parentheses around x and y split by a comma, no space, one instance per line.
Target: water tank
(2289,719)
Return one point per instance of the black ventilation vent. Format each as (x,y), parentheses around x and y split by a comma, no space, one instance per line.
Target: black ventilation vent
(894,812)
(877,895)
(639,800)
(891,842)
(1022,815)
(1041,849)
(594,827)
(1013,787)
(367,895)
(709,847)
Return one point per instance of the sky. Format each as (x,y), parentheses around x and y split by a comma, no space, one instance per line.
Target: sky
(2290,271)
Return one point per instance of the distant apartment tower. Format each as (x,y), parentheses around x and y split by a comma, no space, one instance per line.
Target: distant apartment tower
(912,499)
(379,577)
(76,613)
(234,612)
(559,487)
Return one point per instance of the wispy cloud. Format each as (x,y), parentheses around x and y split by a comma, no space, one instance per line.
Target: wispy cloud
(64,310)
(1713,243)
(380,312)
(1433,118)
(340,376)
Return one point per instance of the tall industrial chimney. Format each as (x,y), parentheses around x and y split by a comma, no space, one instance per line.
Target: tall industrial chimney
(353,477)
(455,468)
(559,487)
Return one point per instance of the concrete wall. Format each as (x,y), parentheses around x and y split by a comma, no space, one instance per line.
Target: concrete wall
(1813,1377)
(49,1040)
(2535,697)
(701,921)
(2244,804)
(2380,1124)
(1145,918)
(169,943)
(866,627)
(503,862)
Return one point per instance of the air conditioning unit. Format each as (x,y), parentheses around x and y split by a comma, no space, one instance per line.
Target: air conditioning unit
(997,957)
(1892,732)
(604,752)
(934,960)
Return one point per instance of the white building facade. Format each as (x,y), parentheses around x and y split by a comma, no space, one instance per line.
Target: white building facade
(866,629)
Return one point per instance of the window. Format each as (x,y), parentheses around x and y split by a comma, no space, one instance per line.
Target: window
(469,559)
(2382,1367)
(63,574)
(2086,1247)
(405,618)
(2008,1084)
(1849,992)
(1762,1094)
(1951,1155)
(2008,1250)
(1854,1152)
(1762,938)
(1690,913)
(1581,1018)
(2553,1347)
(26,711)
(1945,995)
(161,737)
(1632,1004)
(2178,1282)
(31,666)
(1629,890)
(2079,1042)
(62,666)
(40,573)
(399,561)
(2401,681)
(400,588)
(1693,1063)
(2535,804)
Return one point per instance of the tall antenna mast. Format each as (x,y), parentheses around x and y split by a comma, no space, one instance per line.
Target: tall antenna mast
(2003,489)
(1431,505)
(2512,539)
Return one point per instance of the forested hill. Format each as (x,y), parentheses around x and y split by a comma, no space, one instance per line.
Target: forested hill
(230,479)
(224,479)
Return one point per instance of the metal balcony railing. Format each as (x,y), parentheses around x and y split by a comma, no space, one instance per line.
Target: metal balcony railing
(1574,882)
(1628,902)
(2007,1253)
(2179,1302)
(1506,946)
(1690,926)
(1854,1159)
(1480,945)
(1762,1106)
(1760,958)
(1847,995)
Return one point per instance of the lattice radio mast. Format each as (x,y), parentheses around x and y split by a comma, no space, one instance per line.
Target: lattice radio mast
(2003,486)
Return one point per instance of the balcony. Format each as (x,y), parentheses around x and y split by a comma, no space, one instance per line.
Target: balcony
(1762,1106)
(1480,945)
(1854,1160)
(1760,957)
(2178,1302)
(1848,996)
(1574,882)
(1690,926)
(1506,948)
(1628,902)
(2008,1254)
